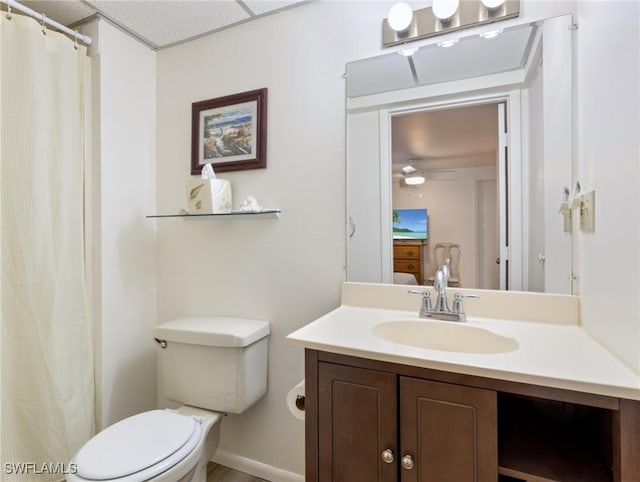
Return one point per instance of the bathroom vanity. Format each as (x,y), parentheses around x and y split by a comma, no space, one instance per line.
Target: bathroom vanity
(503,397)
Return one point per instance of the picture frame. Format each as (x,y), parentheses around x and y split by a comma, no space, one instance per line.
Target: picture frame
(230,132)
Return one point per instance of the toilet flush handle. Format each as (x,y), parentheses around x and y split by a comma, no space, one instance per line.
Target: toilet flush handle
(162,343)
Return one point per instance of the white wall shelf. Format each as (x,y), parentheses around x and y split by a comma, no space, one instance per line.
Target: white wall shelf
(266,213)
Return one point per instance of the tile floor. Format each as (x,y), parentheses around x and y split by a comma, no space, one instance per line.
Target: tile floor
(218,473)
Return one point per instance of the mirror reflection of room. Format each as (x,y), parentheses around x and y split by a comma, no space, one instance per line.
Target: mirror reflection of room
(534,251)
(445,195)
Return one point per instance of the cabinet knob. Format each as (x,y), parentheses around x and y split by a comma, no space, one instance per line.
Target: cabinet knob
(387,456)
(407,462)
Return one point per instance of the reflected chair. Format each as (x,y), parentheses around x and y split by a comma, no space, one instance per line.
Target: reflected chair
(447,251)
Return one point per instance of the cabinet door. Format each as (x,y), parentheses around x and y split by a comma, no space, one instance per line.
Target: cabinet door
(357,422)
(449,432)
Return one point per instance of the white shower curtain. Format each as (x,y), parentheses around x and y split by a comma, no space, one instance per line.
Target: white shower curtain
(46,359)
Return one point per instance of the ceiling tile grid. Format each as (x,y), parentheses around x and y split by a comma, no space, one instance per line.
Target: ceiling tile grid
(67,13)
(166,22)
(162,23)
(261,7)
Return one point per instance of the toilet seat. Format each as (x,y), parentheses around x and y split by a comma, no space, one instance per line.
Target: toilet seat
(139,447)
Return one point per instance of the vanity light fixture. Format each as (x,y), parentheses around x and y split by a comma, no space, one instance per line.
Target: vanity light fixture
(404,25)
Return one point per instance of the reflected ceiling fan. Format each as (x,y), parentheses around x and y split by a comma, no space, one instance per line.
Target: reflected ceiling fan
(413,176)
(409,173)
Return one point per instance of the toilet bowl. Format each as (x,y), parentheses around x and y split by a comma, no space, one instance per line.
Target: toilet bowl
(159,445)
(218,364)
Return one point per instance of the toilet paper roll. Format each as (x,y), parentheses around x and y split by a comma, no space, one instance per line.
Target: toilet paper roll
(295,401)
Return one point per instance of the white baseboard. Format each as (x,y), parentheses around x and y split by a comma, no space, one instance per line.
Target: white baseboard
(255,468)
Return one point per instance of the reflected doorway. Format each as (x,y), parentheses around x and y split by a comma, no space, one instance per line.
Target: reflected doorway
(447,162)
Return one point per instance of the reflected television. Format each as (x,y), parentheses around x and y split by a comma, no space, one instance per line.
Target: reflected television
(410,224)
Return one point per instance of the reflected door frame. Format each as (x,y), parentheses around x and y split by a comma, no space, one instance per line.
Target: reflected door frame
(511,242)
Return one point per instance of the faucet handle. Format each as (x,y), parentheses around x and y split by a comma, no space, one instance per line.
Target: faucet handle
(418,292)
(457,303)
(457,306)
(426,305)
(426,295)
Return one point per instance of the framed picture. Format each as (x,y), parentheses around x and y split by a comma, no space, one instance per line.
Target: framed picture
(230,132)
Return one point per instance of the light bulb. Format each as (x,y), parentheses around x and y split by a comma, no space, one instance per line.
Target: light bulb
(492,4)
(400,16)
(445,9)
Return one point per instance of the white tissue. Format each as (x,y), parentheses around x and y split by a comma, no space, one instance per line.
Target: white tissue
(293,395)
(207,172)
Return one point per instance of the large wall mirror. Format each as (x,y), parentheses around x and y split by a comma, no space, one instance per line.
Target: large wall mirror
(463,152)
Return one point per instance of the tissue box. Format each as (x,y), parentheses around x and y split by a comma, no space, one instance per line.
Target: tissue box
(208,196)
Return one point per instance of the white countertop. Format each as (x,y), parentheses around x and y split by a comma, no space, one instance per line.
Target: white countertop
(549,354)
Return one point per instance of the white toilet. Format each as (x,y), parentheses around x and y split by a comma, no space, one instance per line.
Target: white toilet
(210,365)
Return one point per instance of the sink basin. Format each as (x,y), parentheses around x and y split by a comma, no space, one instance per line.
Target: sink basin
(444,336)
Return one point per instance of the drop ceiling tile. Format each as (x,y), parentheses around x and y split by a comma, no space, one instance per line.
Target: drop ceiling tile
(165,22)
(260,7)
(64,11)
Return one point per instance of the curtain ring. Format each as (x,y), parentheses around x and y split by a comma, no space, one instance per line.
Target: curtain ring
(42,24)
(75,39)
(8,15)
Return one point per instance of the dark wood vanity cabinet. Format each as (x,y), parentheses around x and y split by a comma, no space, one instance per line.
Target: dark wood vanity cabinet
(441,432)
(372,421)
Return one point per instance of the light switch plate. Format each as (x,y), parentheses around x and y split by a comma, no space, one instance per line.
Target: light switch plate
(588,212)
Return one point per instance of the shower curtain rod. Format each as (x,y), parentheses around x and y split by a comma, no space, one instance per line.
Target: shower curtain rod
(12,4)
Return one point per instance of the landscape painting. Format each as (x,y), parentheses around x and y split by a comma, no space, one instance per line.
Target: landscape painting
(230,132)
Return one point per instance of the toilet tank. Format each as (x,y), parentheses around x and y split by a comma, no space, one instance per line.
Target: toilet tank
(215,363)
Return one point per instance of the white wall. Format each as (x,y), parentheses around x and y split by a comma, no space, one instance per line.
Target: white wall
(122,192)
(608,128)
(285,271)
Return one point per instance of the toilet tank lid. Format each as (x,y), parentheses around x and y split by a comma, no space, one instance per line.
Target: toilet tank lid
(212,331)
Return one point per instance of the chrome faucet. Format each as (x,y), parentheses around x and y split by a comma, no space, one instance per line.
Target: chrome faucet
(440,286)
(441,310)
